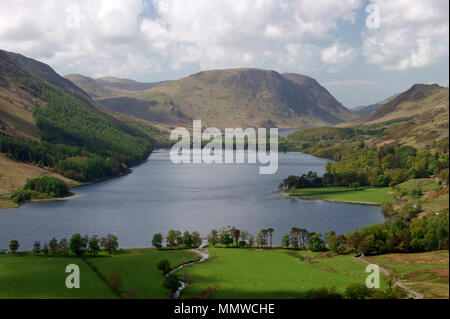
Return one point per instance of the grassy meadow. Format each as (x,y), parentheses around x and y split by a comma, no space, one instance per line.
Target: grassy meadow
(427,273)
(137,268)
(25,276)
(270,273)
(346,194)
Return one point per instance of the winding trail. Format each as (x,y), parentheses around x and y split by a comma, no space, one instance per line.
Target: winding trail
(205,255)
(395,282)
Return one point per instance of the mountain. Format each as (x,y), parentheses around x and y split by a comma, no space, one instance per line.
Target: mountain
(241,97)
(46,120)
(420,98)
(44,72)
(415,117)
(367,109)
(94,88)
(126,84)
(108,87)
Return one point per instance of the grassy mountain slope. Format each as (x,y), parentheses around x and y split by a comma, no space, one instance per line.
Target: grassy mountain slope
(93,87)
(44,72)
(367,109)
(415,117)
(420,98)
(127,84)
(239,97)
(109,87)
(51,125)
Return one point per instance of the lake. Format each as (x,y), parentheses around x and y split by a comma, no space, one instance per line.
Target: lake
(160,195)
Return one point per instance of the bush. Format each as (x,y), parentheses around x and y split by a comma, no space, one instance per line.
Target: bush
(21,196)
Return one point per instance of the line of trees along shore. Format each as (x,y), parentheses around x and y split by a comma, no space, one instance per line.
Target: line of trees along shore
(387,166)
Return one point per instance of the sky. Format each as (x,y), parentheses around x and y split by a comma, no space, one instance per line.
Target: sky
(362,51)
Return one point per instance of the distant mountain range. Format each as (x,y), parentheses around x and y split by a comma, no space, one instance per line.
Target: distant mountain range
(242,97)
(415,117)
(367,109)
(108,87)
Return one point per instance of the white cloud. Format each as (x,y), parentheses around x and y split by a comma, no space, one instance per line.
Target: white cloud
(114,37)
(338,56)
(411,34)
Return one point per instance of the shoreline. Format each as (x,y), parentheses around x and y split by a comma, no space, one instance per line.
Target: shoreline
(73,194)
(286,195)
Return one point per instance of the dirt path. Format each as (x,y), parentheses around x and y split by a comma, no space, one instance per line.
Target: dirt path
(205,255)
(395,282)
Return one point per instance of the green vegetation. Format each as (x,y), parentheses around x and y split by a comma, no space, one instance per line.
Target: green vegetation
(346,194)
(76,139)
(138,268)
(26,276)
(41,187)
(269,273)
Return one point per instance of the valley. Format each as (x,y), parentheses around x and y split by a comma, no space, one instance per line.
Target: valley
(63,132)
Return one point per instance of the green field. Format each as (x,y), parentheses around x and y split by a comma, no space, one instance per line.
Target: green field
(254,273)
(42,277)
(427,273)
(28,276)
(346,194)
(137,268)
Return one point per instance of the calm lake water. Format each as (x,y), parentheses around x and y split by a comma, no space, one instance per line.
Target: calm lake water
(160,195)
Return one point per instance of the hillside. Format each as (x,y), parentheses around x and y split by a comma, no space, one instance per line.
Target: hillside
(239,97)
(367,109)
(44,72)
(415,117)
(47,121)
(108,87)
(420,98)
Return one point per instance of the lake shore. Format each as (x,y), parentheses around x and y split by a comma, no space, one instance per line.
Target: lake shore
(286,195)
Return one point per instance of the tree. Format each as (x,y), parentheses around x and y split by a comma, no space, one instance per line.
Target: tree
(225,237)
(163,266)
(64,246)
(179,238)
(157,240)
(37,247)
(316,243)
(187,239)
(251,240)
(285,241)
(13,246)
(244,235)
(53,245)
(112,243)
(235,235)
(213,237)
(261,240)
(336,243)
(45,249)
(94,246)
(294,237)
(382,181)
(76,244)
(196,239)
(172,283)
(171,238)
(357,291)
(270,232)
